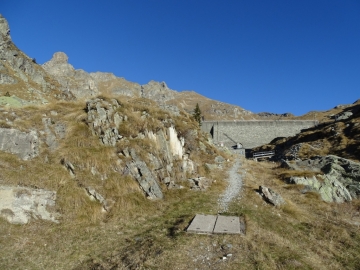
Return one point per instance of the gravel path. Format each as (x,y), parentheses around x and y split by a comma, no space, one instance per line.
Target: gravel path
(233,189)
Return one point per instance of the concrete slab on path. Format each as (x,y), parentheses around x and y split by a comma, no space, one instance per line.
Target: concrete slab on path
(202,224)
(209,224)
(226,224)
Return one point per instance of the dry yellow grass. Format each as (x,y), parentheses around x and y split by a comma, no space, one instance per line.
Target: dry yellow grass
(136,233)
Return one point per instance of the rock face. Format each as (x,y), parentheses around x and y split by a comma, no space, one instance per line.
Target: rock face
(19,204)
(339,182)
(146,179)
(53,132)
(25,145)
(167,163)
(104,120)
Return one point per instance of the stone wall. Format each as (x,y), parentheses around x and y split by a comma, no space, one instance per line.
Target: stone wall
(253,133)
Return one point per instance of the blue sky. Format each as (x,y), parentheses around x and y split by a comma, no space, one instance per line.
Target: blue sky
(276,56)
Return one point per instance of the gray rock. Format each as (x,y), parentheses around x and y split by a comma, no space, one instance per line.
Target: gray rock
(158,92)
(53,132)
(271,196)
(199,183)
(25,145)
(146,179)
(69,167)
(4,27)
(329,188)
(343,116)
(94,195)
(102,116)
(339,182)
(19,204)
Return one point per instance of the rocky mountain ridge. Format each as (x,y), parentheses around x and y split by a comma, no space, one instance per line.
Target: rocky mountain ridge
(21,76)
(133,137)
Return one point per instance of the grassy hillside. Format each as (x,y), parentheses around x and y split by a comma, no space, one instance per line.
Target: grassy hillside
(305,233)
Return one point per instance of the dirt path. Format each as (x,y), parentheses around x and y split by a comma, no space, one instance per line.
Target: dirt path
(233,189)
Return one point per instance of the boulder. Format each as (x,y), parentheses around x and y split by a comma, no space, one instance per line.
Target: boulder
(20,204)
(271,196)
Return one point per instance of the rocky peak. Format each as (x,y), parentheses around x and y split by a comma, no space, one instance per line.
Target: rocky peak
(58,65)
(4,27)
(157,91)
(60,57)
(78,82)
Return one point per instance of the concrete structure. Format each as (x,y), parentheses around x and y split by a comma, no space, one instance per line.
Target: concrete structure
(253,133)
(202,224)
(209,224)
(229,225)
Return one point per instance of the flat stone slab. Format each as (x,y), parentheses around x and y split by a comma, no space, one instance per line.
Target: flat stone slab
(202,224)
(226,224)
(209,224)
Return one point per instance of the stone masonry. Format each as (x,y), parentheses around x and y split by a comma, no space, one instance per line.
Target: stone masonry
(253,133)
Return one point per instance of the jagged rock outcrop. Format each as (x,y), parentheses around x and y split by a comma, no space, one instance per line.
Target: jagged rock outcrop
(25,145)
(19,204)
(168,161)
(339,181)
(157,91)
(28,80)
(80,83)
(104,120)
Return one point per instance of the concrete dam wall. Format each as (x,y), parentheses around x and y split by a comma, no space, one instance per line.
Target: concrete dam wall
(253,133)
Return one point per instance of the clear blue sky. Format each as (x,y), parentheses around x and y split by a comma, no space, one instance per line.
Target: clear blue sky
(275,56)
